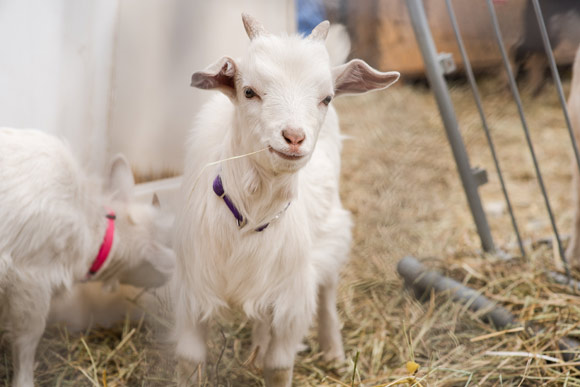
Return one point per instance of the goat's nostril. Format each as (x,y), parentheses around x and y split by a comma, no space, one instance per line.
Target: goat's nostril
(293,136)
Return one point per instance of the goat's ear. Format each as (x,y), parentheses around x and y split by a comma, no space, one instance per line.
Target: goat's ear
(220,76)
(357,77)
(120,181)
(253,27)
(320,31)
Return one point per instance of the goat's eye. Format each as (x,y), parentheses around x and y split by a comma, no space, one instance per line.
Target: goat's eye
(327,100)
(249,92)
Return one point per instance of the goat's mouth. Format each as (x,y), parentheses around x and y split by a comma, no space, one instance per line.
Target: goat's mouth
(286,156)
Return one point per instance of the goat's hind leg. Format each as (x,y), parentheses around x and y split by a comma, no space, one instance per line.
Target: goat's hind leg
(573,250)
(28,307)
(537,65)
(332,254)
(329,335)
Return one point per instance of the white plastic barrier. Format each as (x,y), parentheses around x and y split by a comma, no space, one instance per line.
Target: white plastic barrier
(113,75)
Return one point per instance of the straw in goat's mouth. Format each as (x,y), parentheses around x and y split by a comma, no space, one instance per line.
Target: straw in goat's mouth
(219,162)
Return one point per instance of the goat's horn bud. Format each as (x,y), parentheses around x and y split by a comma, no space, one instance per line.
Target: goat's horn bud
(320,31)
(253,27)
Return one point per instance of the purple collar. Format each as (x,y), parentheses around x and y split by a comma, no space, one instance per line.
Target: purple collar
(218,188)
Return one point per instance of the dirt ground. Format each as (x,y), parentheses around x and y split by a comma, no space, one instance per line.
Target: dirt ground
(401,184)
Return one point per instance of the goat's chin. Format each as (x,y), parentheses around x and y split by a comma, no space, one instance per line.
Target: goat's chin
(280,165)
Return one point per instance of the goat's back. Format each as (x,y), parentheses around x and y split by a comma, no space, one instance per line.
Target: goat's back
(42,197)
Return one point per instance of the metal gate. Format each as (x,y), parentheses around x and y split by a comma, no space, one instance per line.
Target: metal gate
(439,64)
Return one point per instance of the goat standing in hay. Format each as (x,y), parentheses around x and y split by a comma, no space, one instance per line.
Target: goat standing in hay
(58,227)
(573,251)
(268,232)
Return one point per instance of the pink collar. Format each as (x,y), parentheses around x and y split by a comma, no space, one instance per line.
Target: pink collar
(105,246)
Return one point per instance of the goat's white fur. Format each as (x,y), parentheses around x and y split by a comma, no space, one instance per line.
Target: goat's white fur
(53,223)
(573,251)
(280,276)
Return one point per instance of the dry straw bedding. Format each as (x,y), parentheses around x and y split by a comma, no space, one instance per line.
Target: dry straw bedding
(400,182)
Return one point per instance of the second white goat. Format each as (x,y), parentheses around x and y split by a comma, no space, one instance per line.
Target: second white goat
(60,227)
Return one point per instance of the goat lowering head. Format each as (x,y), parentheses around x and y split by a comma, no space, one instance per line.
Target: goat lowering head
(143,258)
(281,89)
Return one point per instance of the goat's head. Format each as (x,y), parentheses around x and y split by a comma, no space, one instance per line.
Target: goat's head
(282,88)
(142,256)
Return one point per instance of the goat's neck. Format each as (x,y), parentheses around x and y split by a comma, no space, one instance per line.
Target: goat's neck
(95,204)
(258,192)
(115,259)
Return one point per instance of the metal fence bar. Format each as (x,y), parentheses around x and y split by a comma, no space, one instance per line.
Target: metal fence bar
(439,86)
(518,101)
(556,77)
(478,103)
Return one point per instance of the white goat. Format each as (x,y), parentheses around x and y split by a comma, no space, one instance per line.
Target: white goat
(573,251)
(53,222)
(276,246)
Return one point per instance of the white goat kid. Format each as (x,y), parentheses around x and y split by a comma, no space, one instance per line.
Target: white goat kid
(275,260)
(573,251)
(54,219)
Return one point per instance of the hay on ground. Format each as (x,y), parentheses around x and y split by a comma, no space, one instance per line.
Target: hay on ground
(401,184)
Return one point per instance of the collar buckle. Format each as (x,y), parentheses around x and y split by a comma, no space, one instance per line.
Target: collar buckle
(242,223)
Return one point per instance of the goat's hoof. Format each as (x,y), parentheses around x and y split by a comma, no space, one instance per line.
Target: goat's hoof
(334,356)
(259,361)
(189,373)
(278,377)
(332,350)
(302,347)
(256,358)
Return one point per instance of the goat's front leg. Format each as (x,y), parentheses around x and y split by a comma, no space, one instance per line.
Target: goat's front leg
(286,334)
(329,335)
(260,341)
(279,358)
(28,307)
(190,336)
(191,353)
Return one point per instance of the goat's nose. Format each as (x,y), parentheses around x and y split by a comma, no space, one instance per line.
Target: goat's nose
(293,136)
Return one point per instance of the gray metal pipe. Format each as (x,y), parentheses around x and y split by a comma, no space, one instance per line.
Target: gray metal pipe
(439,87)
(423,281)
